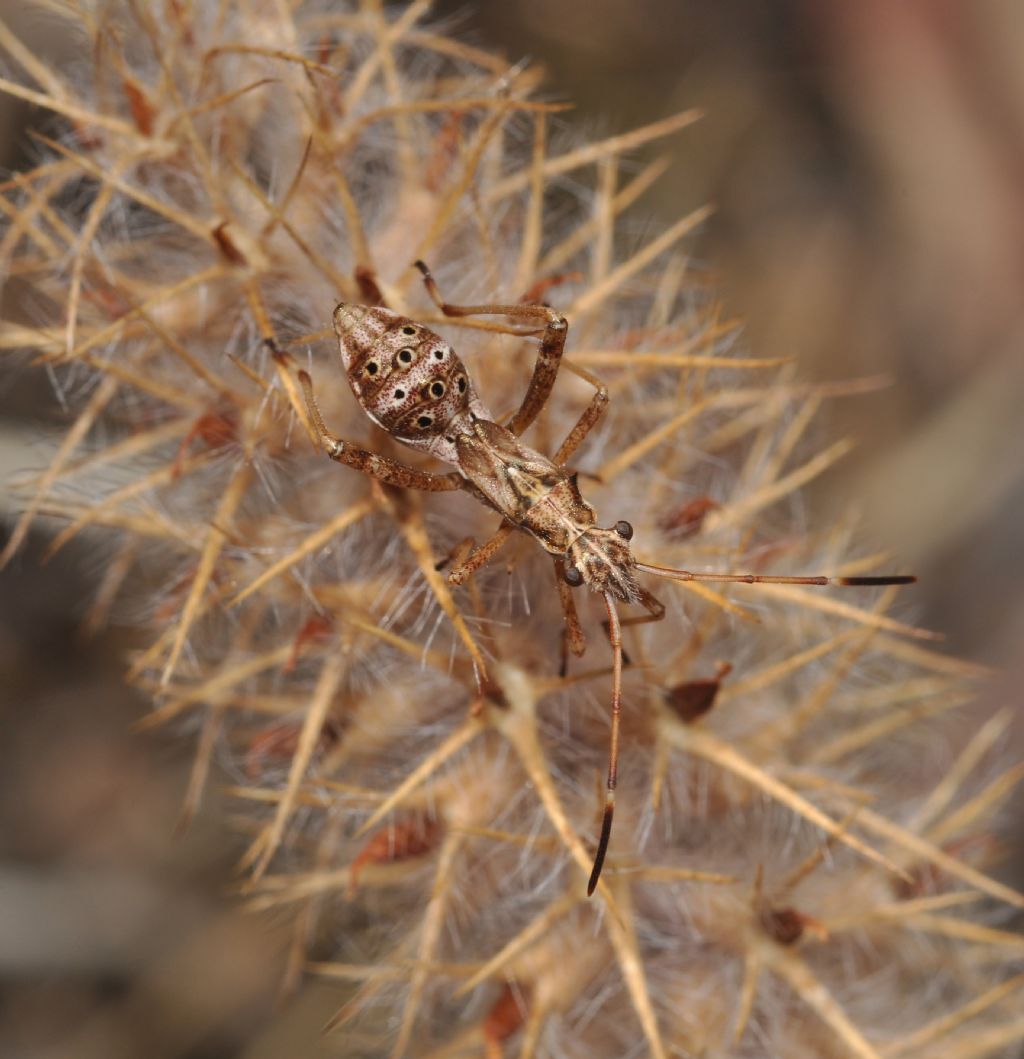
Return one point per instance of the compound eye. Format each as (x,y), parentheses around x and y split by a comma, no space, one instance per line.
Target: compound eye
(573,576)
(624,530)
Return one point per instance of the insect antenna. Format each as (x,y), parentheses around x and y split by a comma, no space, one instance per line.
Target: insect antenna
(774,579)
(615,637)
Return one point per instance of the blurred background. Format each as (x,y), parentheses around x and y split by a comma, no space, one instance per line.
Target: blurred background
(867,165)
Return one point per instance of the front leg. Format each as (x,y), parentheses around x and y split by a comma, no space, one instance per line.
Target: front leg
(386,470)
(552,345)
(654,607)
(479,557)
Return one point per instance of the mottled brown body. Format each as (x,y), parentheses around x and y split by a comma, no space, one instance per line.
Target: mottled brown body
(409,381)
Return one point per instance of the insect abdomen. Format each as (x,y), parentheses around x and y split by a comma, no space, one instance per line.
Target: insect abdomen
(406,378)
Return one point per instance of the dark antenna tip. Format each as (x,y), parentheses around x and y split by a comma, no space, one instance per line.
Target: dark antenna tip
(886,579)
(602,847)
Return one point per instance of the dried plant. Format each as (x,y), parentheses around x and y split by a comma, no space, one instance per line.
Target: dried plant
(799,863)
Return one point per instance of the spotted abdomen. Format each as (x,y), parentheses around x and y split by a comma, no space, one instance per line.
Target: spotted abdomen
(407,378)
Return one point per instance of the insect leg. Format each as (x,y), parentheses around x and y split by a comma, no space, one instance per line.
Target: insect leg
(381,467)
(655,610)
(573,637)
(587,421)
(479,557)
(552,344)
(457,555)
(615,637)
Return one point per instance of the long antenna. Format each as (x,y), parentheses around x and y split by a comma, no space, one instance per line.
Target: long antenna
(615,637)
(776,579)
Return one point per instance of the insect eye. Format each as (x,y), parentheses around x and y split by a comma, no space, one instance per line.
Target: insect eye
(372,368)
(573,576)
(437,389)
(408,330)
(405,355)
(624,530)
(424,421)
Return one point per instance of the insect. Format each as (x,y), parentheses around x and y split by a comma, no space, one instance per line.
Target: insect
(410,382)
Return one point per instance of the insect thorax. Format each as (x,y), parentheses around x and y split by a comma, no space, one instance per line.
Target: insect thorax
(407,379)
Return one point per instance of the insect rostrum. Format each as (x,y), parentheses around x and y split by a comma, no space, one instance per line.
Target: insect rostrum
(411,382)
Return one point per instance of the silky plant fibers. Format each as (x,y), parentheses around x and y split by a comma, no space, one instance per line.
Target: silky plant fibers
(800,860)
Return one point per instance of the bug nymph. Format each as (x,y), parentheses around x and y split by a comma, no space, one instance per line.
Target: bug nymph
(410,382)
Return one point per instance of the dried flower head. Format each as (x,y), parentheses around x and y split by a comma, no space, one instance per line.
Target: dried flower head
(798,867)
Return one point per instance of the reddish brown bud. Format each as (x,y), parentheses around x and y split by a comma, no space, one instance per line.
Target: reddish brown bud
(316,626)
(504,1018)
(228,247)
(366,280)
(143,111)
(687,520)
(215,428)
(693,699)
(784,925)
(534,294)
(445,148)
(399,841)
(279,742)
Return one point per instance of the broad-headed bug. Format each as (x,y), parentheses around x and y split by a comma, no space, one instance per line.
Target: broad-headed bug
(410,382)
